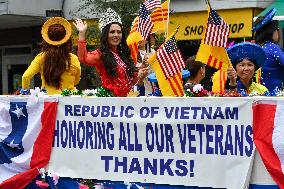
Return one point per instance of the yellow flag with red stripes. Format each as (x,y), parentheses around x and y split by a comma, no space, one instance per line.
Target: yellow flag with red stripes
(132,42)
(160,17)
(213,56)
(219,81)
(258,75)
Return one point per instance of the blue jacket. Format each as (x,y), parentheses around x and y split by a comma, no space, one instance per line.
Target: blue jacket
(273,67)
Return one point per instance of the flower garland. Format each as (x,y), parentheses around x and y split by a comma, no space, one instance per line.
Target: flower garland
(199,91)
(99,92)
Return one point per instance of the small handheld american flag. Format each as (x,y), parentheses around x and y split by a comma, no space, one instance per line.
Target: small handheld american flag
(170,58)
(145,22)
(217,31)
(151,4)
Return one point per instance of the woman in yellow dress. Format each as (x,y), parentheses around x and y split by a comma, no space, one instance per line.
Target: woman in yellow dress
(58,67)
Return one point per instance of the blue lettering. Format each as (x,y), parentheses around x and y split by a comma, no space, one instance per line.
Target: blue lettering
(107,160)
(218,113)
(232,114)
(201,129)
(63,128)
(72,134)
(219,139)
(85,109)
(110,136)
(207,113)
(168,112)
(195,111)
(154,110)
(77,110)
(81,126)
(152,166)
(181,166)
(184,112)
(144,112)
(182,138)
(122,138)
(122,164)
(68,109)
(128,114)
(169,138)
(191,137)
(160,144)
(150,135)
(89,134)
(209,139)
(135,166)
(239,140)
(105,111)
(229,143)
(165,166)
(249,148)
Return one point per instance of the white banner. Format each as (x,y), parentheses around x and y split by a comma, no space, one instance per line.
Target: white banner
(204,142)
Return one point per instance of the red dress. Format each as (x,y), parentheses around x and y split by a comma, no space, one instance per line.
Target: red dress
(121,84)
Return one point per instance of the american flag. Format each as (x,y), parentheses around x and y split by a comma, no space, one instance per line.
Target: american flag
(217,31)
(151,4)
(170,58)
(145,22)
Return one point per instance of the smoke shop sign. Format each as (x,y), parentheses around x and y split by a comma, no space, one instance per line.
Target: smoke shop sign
(193,24)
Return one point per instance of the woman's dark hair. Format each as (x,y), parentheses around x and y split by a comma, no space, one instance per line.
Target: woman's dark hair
(193,66)
(55,57)
(122,49)
(265,33)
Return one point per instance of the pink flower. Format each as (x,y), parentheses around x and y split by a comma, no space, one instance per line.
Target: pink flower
(41,184)
(82,186)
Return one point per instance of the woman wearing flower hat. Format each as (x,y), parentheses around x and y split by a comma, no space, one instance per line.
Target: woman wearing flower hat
(267,35)
(59,68)
(112,59)
(246,58)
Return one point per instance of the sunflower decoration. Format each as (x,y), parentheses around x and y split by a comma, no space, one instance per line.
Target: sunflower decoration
(53,21)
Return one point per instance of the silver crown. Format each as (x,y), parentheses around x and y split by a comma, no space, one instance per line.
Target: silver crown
(109,17)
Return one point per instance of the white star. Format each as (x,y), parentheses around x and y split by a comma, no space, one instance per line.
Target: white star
(19,111)
(12,145)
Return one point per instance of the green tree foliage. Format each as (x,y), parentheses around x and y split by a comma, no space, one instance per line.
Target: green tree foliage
(127,9)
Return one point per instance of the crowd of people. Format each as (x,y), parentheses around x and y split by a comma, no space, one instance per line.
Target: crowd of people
(60,69)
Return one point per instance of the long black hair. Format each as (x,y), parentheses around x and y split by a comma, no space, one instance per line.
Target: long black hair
(122,49)
(265,33)
(55,57)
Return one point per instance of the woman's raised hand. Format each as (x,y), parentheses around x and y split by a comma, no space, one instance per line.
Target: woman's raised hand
(81,27)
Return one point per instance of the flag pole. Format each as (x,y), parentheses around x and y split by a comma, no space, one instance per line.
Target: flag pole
(168,20)
(208,3)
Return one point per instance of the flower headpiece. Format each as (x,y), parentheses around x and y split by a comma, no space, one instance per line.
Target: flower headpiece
(52,21)
(109,17)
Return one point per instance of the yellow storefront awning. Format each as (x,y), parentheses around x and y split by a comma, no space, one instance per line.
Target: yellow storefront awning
(193,24)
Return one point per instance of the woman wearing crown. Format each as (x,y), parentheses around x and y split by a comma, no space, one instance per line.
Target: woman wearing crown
(112,59)
(59,68)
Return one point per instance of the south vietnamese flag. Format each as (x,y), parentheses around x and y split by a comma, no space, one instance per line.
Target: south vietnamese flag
(26,135)
(268,135)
